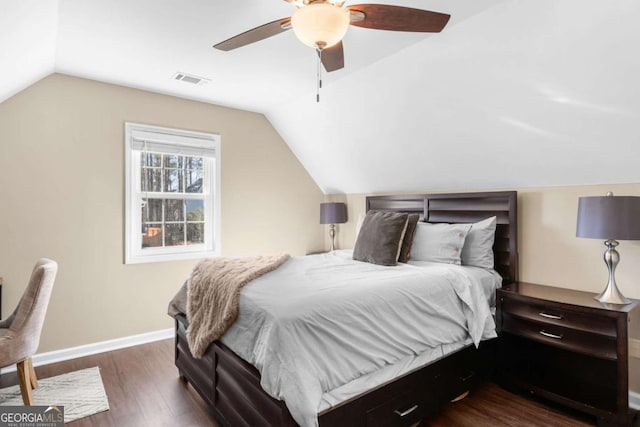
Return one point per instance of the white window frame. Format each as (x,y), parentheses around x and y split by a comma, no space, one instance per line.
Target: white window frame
(187,143)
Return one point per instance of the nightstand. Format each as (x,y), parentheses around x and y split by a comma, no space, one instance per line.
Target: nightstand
(564,345)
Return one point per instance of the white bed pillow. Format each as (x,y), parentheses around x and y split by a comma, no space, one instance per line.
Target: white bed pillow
(439,242)
(478,247)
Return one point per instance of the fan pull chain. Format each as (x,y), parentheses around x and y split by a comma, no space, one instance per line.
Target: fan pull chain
(319,75)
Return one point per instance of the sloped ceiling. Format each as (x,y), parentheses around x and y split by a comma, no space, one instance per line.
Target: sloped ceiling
(528,93)
(28,31)
(511,93)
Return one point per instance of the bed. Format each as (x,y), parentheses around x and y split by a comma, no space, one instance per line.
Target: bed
(232,387)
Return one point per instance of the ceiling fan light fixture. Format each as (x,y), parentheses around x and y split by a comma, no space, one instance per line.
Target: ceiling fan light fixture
(320,25)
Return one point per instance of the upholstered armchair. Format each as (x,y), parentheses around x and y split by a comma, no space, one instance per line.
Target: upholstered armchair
(20,332)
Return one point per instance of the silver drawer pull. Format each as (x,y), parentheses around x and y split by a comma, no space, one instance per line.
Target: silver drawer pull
(550,316)
(548,335)
(407,412)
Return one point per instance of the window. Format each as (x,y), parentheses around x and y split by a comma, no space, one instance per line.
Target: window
(173,197)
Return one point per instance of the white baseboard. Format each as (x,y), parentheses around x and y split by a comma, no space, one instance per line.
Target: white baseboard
(98,347)
(634,400)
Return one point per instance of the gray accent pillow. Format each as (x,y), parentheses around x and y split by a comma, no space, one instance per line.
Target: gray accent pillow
(380,237)
(407,240)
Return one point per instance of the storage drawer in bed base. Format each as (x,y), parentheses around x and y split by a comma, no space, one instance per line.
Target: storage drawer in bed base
(415,396)
(196,371)
(231,387)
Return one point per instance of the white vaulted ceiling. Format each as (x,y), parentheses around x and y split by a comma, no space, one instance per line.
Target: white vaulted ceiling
(511,93)
(28,30)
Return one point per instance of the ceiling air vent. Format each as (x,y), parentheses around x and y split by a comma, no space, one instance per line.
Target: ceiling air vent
(190,78)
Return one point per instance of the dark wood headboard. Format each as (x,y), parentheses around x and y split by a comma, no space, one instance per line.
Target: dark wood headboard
(465,208)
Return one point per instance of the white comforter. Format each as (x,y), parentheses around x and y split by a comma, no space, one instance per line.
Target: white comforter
(322,321)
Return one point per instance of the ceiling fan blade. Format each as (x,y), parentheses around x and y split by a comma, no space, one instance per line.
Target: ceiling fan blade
(255,34)
(333,57)
(398,18)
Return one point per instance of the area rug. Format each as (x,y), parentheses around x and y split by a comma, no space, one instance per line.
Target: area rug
(80,392)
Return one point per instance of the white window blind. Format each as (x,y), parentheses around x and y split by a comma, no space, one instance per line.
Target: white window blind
(203,145)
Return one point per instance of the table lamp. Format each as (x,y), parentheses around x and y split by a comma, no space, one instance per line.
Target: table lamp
(612,218)
(333,213)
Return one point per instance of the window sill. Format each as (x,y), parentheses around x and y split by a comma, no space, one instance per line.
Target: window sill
(143,259)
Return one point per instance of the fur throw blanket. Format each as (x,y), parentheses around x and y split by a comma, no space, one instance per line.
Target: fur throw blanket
(213,295)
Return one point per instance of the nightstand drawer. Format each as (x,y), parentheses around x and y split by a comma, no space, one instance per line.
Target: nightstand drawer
(547,314)
(563,337)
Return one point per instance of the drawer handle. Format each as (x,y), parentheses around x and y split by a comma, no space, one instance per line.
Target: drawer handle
(548,335)
(468,376)
(550,316)
(407,412)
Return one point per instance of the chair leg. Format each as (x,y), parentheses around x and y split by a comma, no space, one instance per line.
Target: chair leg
(33,377)
(24,377)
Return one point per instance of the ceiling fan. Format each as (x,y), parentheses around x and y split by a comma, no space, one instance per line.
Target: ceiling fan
(321,24)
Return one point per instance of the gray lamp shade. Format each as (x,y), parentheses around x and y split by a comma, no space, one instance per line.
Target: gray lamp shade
(333,213)
(609,217)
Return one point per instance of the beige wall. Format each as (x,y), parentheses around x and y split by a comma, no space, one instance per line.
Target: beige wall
(62,196)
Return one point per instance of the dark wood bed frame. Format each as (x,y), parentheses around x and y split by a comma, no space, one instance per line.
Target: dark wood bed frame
(231,386)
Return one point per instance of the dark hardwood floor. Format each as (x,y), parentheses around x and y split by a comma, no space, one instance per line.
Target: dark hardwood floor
(492,405)
(144,390)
